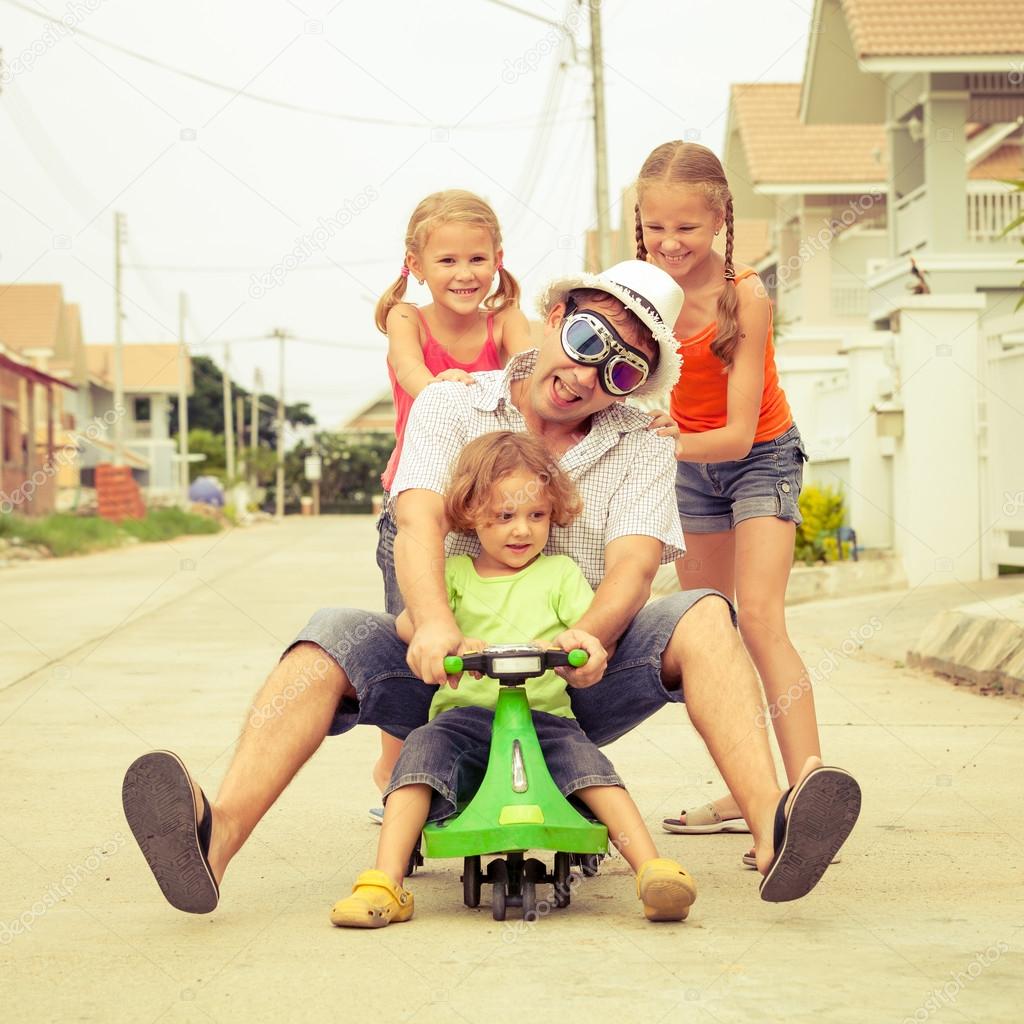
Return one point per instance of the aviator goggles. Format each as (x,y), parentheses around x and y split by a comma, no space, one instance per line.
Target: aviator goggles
(590,340)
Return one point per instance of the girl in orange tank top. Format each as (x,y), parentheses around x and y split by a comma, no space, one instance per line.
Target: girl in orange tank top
(740,458)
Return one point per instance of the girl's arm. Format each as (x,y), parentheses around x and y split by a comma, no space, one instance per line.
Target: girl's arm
(405,351)
(745,388)
(512,333)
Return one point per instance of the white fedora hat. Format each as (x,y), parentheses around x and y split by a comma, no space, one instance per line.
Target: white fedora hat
(648,292)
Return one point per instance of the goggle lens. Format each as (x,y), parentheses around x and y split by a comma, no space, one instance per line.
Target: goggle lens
(582,338)
(624,376)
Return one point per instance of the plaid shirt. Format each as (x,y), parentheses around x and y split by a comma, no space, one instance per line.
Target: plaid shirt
(624,473)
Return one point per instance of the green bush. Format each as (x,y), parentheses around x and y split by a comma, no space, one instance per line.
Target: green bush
(65,534)
(823,510)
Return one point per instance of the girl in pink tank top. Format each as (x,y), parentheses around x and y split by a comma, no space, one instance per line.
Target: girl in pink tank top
(453,246)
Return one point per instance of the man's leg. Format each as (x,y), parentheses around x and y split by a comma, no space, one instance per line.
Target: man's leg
(723,698)
(288,721)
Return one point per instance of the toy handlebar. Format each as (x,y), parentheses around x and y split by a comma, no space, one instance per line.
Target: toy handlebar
(511,662)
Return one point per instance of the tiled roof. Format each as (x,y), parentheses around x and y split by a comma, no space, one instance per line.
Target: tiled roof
(1006,162)
(30,315)
(147,368)
(935,28)
(780,149)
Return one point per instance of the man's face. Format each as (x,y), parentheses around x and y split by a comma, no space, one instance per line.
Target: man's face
(562,391)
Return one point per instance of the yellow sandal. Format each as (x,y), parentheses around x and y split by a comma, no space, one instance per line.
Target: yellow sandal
(376,901)
(666,889)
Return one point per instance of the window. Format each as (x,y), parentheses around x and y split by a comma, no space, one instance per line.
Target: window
(142,410)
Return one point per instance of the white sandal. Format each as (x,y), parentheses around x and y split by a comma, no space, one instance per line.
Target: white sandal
(703,821)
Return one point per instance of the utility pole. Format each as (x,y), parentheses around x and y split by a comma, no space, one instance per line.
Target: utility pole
(600,144)
(119,411)
(183,399)
(240,417)
(254,423)
(229,432)
(280,335)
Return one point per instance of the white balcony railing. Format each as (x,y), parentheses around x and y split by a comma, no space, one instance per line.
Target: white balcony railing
(989,211)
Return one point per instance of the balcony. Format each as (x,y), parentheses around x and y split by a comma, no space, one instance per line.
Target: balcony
(990,206)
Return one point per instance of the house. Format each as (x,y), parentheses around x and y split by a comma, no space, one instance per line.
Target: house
(151,375)
(940,377)
(28,470)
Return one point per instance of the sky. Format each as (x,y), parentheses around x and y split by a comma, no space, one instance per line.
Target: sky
(267,216)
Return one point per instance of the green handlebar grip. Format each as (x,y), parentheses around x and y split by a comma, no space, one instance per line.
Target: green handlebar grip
(453,664)
(578,658)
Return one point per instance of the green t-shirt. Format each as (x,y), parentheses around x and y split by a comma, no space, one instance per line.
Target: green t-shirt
(539,602)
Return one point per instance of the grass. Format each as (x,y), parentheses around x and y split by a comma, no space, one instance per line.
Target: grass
(65,534)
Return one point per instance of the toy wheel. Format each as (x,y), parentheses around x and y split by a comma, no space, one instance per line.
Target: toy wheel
(529,900)
(590,863)
(415,860)
(561,877)
(471,879)
(497,874)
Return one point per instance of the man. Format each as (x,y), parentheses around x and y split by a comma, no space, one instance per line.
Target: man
(605,337)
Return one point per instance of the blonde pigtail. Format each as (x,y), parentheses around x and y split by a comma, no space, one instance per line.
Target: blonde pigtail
(641,249)
(388,301)
(724,346)
(506,294)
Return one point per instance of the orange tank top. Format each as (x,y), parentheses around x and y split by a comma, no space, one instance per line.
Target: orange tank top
(700,398)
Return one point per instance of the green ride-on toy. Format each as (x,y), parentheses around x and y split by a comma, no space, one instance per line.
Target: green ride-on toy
(518,807)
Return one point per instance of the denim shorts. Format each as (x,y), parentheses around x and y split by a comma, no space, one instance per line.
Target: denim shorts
(450,754)
(367,648)
(386,532)
(715,496)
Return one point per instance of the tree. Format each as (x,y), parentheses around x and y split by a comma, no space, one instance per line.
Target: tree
(206,405)
(351,464)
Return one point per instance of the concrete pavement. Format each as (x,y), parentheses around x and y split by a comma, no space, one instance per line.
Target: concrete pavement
(163,645)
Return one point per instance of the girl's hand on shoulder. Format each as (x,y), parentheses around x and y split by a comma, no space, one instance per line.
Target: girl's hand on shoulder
(663,424)
(459,376)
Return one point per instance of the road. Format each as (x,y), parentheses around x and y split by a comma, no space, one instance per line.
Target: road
(162,646)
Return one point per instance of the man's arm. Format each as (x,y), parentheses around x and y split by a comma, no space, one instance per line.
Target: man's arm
(419,565)
(630,565)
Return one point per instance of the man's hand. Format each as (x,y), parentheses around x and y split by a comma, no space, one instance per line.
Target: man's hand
(592,672)
(430,645)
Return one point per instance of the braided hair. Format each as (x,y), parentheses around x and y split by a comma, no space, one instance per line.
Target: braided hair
(691,165)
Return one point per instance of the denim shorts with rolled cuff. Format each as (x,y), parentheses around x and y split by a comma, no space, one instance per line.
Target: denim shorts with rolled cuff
(386,533)
(367,648)
(714,497)
(450,753)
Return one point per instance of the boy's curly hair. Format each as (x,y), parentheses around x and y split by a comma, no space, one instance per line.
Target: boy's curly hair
(492,457)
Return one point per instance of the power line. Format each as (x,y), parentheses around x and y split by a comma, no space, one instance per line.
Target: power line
(297,108)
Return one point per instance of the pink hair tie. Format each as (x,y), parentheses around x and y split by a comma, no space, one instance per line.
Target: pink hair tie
(500,266)
(404,271)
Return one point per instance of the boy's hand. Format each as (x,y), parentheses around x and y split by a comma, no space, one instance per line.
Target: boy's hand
(429,646)
(460,376)
(469,645)
(597,662)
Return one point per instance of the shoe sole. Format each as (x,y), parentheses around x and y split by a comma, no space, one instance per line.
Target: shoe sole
(822,816)
(667,899)
(160,809)
(726,827)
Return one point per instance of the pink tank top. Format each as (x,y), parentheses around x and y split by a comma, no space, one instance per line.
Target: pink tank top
(437,360)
